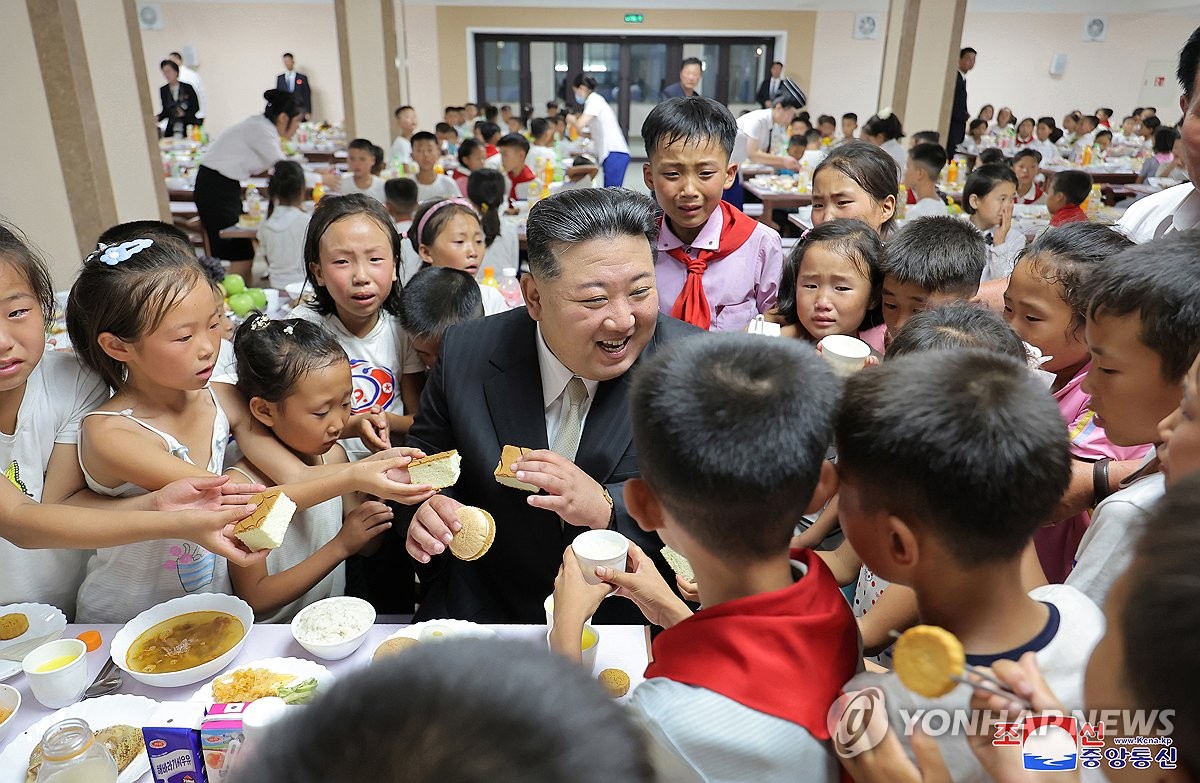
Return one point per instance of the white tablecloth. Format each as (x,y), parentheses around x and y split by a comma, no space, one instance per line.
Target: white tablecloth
(625,647)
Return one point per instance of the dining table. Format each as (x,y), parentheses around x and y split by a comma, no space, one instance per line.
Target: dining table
(625,647)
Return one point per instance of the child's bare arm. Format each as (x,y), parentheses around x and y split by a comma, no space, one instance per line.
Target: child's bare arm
(1081,493)
(896,610)
(817,531)
(844,562)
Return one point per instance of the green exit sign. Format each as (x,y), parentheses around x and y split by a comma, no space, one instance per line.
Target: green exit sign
(634,18)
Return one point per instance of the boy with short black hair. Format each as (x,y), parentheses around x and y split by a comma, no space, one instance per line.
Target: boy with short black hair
(849,125)
(1064,194)
(514,149)
(541,146)
(1143,330)
(716,267)
(431,302)
(426,153)
(488,133)
(827,126)
(447,136)
(360,159)
(797,146)
(731,433)
(949,462)
(923,137)
(929,262)
(1026,164)
(401,204)
(406,123)
(925,164)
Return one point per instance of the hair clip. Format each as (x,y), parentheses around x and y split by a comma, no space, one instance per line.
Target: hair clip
(884,113)
(115,254)
(289,329)
(483,208)
(262,322)
(804,234)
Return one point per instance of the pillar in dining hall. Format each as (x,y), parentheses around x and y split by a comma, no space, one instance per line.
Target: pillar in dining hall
(920,61)
(368,49)
(76,147)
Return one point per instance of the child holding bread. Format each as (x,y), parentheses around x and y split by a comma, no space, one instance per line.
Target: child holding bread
(726,496)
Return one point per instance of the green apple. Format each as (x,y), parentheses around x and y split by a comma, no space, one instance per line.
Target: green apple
(241,304)
(259,296)
(234,284)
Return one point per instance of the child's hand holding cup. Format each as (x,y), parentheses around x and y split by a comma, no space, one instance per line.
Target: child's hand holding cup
(846,355)
(594,548)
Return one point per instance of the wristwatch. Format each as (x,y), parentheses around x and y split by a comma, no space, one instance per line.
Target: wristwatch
(612,514)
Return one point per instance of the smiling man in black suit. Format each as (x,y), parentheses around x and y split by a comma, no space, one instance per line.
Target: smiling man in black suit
(553,377)
(294,82)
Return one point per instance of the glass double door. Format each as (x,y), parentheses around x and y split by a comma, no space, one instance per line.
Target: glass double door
(630,72)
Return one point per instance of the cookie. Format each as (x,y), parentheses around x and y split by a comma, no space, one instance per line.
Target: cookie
(616,681)
(12,626)
(926,658)
(476,535)
(679,564)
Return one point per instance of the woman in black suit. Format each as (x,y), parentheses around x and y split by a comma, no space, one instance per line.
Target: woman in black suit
(179,101)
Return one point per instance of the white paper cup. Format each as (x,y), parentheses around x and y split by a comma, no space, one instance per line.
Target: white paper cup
(589,652)
(59,687)
(844,353)
(595,548)
(548,604)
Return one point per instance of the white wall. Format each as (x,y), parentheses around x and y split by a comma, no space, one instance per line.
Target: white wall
(424,88)
(1013,67)
(845,71)
(239,47)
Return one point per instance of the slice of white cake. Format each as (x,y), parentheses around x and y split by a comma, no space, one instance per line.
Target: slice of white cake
(266,527)
(679,564)
(504,474)
(437,470)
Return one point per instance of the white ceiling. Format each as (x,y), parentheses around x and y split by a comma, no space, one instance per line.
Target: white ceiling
(984,6)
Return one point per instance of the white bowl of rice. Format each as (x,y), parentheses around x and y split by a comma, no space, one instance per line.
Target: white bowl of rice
(333,628)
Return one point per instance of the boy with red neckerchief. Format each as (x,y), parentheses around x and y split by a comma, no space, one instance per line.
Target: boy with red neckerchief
(716,267)
(731,433)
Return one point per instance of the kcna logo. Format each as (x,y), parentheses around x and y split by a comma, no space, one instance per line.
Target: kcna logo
(857,722)
(1049,742)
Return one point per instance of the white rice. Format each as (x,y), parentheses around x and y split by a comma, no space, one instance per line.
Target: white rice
(335,620)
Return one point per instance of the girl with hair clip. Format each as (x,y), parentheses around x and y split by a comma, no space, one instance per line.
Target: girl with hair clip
(831,284)
(885,131)
(142,315)
(352,256)
(450,233)
(856,180)
(296,378)
(487,190)
(238,153)
(281,235)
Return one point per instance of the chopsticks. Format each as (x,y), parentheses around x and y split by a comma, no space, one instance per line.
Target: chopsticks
(983,682)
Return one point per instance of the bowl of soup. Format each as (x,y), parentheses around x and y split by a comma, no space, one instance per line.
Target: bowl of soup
(184,640)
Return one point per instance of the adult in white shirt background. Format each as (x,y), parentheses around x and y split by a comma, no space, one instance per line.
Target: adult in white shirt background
(1177,208)
(189,76)
(760,131)
(247,148)
(612,151)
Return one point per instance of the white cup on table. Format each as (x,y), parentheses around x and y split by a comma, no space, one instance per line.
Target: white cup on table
(844,353)
(594,548)
(57,672)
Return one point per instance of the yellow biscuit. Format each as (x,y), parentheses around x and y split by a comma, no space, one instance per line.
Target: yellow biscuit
(392,647)
(12,626)
(926,659)
(616,681)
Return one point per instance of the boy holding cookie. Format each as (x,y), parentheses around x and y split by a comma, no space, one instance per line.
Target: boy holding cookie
(731,433)
(949,461)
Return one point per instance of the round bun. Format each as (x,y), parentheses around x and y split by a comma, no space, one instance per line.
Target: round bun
(927,659)
(392,647)
(616,681)
(476,535)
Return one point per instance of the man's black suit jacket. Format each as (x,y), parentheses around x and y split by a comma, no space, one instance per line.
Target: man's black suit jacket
(302,92)
(485,392)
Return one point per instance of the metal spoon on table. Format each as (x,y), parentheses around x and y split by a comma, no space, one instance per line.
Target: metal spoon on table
(107,681)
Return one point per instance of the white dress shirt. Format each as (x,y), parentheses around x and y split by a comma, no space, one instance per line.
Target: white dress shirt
(247,148)
(555,377)
(189,76)
(1174,209)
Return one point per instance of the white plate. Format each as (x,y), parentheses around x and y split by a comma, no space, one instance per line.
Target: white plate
(459,629)
(303,669)
(44,620)
(101,712)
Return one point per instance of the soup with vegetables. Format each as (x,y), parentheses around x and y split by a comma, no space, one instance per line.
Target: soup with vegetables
(183,642)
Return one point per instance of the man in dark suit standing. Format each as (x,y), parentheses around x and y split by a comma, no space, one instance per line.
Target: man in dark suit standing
(770,85)
(958,113)
(297,83)
(690,74)
(553,377)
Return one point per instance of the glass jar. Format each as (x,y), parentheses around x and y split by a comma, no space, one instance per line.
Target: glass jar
(71,754)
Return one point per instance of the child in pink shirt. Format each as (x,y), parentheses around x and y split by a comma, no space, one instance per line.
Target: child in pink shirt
(1045,306)
(716,267)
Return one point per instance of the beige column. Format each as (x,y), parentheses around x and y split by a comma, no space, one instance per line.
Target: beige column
(367,46)
(80,159)
(920,60)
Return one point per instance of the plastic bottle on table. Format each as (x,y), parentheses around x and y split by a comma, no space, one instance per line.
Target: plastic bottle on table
(1094,200)
(71,755)
(510,288)
(254,204)
(952,173)
(902,202)
(489,277)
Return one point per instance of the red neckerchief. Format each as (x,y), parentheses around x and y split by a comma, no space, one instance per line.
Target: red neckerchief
(1071,214)
(692,304)
(490,149)
(525,175)
(786,653)
(1037,193)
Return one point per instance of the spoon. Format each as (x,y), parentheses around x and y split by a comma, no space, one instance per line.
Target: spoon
(107,681)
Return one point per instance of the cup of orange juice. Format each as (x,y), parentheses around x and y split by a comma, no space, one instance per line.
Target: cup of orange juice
(589,642)
(57,672)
